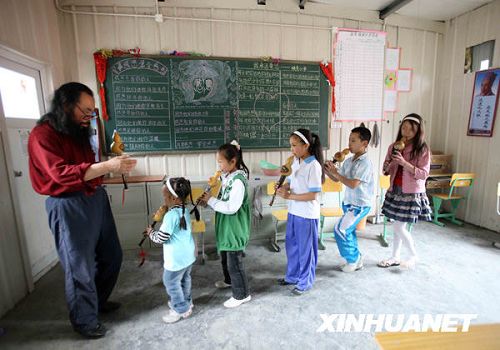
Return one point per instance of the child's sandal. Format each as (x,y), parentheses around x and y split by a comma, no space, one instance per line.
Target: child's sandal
(388,263)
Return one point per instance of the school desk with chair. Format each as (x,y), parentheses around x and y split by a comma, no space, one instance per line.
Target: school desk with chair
(442,184)
(458,180)
(440,172)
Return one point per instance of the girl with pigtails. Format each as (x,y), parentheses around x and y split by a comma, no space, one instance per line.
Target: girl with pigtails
(178,248)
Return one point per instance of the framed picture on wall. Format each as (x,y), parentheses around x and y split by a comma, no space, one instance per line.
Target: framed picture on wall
(484,103)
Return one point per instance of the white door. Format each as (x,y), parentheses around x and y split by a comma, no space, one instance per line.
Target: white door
(13,287)
(21,92)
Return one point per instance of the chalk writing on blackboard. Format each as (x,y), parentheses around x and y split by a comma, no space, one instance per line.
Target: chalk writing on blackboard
(263,120)
(175,103)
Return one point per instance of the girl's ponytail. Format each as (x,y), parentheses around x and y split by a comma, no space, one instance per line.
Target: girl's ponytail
(241,164)
(316,150)
(195,209)
(183,189)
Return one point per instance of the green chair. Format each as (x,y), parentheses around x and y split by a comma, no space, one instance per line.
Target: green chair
(329,186)
(457,180)
(278,215)
(384,184)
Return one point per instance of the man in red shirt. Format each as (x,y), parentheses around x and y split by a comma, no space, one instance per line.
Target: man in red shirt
(63,167)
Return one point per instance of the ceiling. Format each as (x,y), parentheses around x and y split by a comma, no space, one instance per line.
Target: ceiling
(437,10)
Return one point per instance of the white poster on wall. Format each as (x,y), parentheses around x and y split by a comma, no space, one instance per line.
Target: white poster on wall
(391,58)
(359,74)
(403,81)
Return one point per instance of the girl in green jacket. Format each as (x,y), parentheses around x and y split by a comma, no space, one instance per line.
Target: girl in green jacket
(232,221)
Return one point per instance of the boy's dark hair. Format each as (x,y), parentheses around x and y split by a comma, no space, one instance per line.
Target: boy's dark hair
(230,151)
(364,133)
(315,148)
(182,187)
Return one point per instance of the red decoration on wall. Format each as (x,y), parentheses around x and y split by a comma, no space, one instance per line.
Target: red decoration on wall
(327,69)
(100,67)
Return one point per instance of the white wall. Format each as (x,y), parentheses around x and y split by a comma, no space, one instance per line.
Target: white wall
(82,34)
(29,28)
(470,154)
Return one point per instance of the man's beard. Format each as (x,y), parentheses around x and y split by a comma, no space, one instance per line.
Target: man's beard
(79,133)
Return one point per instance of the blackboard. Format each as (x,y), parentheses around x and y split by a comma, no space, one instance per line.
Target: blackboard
(161,104)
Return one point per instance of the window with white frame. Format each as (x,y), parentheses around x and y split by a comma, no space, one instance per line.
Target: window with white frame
(479,57)
(19,90)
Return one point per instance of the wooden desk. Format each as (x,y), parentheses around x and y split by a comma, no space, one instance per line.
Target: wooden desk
(132,179)
(480,337)
(440,171)
(440,181)
(440,163)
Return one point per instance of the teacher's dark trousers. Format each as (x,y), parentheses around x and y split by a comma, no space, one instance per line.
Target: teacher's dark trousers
(89,250)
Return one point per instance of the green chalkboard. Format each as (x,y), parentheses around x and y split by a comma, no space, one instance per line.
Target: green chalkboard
(161,103)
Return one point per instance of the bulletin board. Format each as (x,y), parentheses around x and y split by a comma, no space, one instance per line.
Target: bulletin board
(359,74)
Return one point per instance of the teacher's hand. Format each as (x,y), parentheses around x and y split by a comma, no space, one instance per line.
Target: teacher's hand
(122,164)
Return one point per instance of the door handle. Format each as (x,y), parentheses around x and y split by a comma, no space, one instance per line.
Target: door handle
(18,173)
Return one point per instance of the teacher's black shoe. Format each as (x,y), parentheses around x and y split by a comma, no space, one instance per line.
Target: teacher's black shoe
(98,331)
(109,306)
(283,282)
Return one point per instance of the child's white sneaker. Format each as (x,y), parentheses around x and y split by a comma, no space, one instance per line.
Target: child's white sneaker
(232,302)
(351,267)
(222,285)
(191,306)
(173,316)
